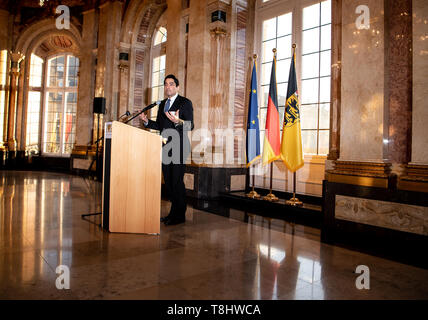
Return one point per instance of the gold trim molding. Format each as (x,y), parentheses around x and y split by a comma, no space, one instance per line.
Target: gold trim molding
(82,150)
(370,174)
(358,180)
(415,179)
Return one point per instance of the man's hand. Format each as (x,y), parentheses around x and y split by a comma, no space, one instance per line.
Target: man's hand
(143,117)
(174,118)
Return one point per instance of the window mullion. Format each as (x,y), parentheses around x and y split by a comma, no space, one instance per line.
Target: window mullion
(64,97)
(319,84)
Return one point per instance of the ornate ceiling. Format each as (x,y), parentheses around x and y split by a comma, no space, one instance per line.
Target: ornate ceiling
(16,6)
(54,44)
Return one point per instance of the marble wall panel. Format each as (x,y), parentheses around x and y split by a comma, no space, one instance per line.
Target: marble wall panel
(138,80)
(4,21)
(189,181)
(237,182)
(362,87)
(420,83)
(391,215)
(140,73)
(82,164)
(241,65)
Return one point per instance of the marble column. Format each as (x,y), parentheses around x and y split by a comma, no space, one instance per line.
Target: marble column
(218,96)
(220,111)
(84,123)
(175,38)
(398,83)
(197,86)
(362,84)
(123,81)
(241,53)
(357,118)
(416,177)
(16,58)
(336,59)
(114,79)
(108,57)
(420,83)
(213,79)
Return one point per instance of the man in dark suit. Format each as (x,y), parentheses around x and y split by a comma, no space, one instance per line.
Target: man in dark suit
(174,120)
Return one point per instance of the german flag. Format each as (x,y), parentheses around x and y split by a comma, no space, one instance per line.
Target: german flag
(291,144)
(272,142)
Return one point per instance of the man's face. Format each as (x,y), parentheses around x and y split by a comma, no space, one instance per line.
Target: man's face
(170,88)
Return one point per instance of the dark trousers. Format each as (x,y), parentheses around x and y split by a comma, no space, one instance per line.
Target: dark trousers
(173,175)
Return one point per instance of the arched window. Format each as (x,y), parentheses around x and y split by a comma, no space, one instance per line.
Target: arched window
(160,36)
(3,77)
(59,124)
(158,68)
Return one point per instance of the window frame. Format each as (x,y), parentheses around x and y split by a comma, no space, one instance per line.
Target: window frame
(4,87)
(156,51)
(274,8)
(41,90)
(45,96)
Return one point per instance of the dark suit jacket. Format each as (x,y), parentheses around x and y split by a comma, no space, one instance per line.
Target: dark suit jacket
(162,122)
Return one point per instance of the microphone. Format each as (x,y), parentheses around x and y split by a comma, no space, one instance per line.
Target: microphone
(154,104)
(126,114)
(145,109)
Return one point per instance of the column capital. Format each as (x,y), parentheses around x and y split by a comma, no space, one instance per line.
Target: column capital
(16,57)
(218,32)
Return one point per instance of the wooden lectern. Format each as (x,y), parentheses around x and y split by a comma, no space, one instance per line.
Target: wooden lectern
(131,179)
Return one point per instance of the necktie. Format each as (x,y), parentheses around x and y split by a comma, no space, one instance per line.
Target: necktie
(168,102)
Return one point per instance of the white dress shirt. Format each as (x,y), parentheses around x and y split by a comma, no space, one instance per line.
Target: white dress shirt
(171,102)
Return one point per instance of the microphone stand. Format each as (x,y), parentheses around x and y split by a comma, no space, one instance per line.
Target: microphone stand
(97,171)
(134,116)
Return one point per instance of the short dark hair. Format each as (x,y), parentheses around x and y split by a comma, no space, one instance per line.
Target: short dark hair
(171,76)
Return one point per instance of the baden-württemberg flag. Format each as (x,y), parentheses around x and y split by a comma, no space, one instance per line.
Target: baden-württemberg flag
(291,144)
(253,130)
(272,142)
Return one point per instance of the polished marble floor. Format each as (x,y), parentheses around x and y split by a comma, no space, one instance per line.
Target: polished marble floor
(208,257)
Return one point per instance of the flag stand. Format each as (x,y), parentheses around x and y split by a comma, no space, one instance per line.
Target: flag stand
(270,197)
(253,193)
(294,201)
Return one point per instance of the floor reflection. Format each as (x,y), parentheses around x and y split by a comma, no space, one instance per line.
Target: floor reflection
(231,254)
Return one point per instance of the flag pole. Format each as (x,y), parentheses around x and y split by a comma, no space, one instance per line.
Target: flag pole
(271,197)
(294,201)
(253,193)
